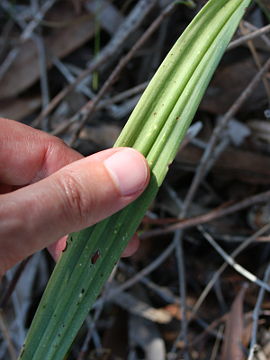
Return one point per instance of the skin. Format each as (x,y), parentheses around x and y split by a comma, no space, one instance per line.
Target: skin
(48,190)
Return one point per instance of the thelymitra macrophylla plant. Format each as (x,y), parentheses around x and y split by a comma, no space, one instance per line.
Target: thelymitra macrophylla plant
(156,128)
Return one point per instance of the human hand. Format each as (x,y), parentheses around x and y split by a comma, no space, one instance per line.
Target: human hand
(48,190)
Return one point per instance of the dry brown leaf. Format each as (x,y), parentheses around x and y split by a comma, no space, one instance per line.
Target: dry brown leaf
(228,83)
(175,311)
(140,308)
(25,69)
(60,42)
(103,135)
(247,166)
(234,329)
(17,109)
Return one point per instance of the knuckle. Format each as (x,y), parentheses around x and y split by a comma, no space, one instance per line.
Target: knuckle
(75,204)
(56,143)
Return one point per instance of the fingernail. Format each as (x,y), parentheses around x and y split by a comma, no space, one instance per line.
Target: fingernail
(128,171)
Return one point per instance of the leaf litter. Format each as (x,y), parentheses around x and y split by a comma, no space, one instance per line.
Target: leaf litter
(238,171)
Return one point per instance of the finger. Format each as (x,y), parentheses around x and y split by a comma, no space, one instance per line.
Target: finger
(59,246)
(78,195)
(132,247)
(28,155)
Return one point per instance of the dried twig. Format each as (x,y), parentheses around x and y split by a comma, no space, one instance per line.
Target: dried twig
(82,116)
(13,282)
(140,274)
(256,314)
(129,25)
(264,37)
(5,333)
(27,31)
(257,61)
(217,343)
(91,323)
(203,168)
(67,73)
(178,244)
(234,328)
(237,267)
(217,213)
(161,291)
(102,104)
(45,93)
(250,36)
(123,95)
(217,274)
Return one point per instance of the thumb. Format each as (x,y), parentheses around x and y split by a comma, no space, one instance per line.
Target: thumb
(78,195)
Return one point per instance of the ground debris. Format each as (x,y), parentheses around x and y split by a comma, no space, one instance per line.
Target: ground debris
(51,80)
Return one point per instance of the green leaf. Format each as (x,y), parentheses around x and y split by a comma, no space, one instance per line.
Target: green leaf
(155,128)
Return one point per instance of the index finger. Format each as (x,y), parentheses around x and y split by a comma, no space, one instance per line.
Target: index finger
(28,155)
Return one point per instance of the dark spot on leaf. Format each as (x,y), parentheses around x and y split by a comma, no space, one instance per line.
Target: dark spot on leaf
(95,257)
(65,248)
